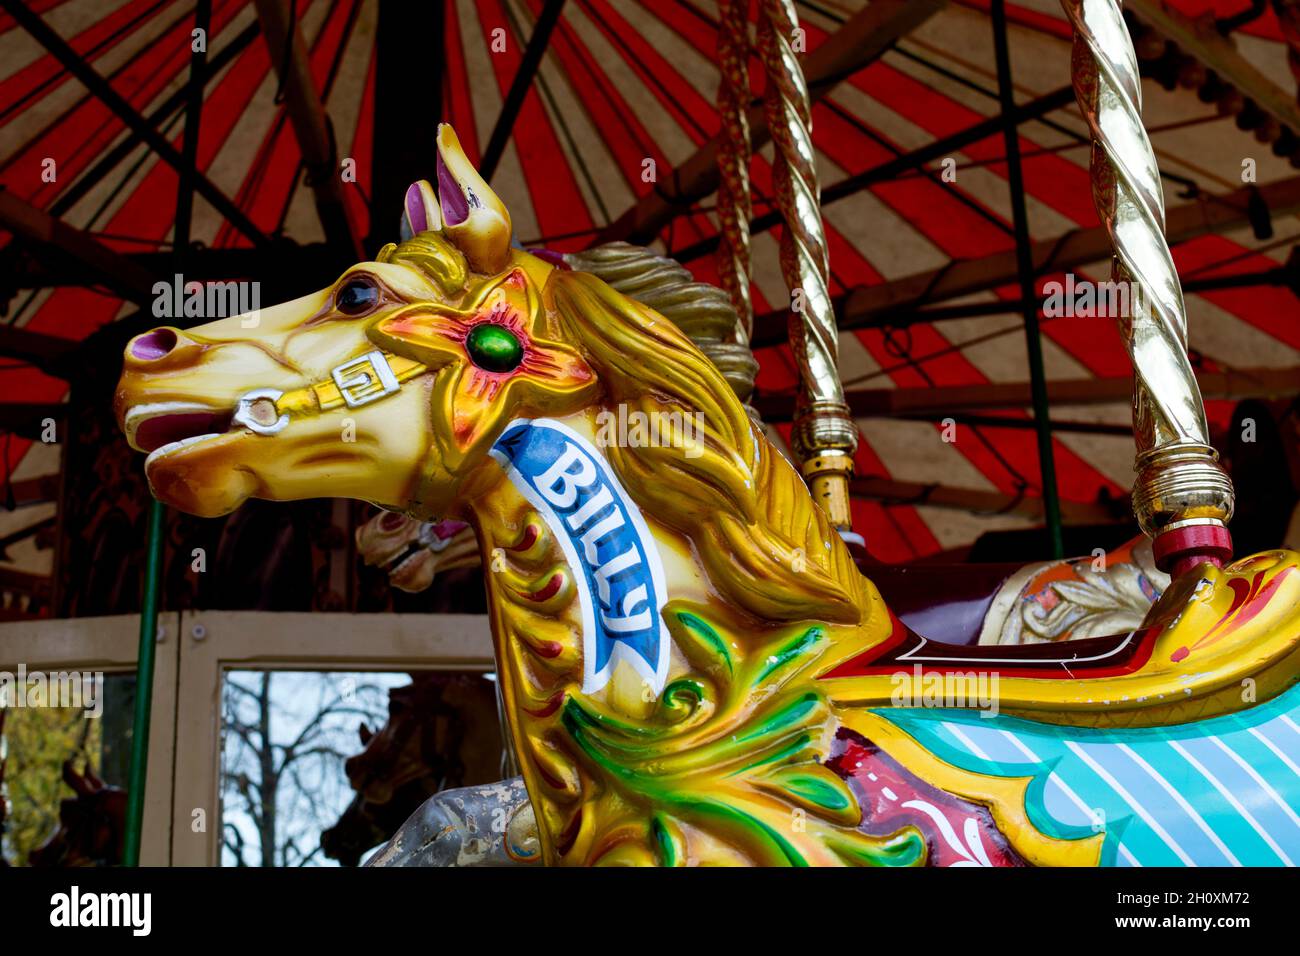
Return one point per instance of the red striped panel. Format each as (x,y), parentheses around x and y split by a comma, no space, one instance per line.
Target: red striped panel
(47,74)
(78,137)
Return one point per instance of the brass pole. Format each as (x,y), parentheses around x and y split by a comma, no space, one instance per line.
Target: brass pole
(1182,497)
(824,436)
(734,205)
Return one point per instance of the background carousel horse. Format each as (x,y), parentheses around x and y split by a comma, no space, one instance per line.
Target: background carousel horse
(412,552)
(442,733)
(694,670)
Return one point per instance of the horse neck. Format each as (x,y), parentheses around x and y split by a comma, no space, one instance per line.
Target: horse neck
(534,561)
(534,571)
(758,667)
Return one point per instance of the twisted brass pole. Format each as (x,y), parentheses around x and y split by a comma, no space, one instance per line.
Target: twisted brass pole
(1182,497)
(734,205)
(824,436)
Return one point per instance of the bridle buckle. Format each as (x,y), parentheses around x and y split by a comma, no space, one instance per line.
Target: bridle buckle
(365,379)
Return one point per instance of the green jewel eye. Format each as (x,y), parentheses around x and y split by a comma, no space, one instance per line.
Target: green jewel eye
(494,348)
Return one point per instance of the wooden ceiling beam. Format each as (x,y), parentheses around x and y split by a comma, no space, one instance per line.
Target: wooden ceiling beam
(202,265)
(101,265)
(897,300)
(43,351)
(889,491)
(310,125)
(1200,38)
(941,401)
(118,104)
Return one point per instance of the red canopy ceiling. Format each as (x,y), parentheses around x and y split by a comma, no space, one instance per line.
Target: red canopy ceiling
(625,81)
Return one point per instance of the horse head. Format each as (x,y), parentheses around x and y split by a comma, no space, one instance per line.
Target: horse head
(413,552)
(389,385)
(441,733)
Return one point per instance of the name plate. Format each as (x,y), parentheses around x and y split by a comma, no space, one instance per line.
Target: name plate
(617,568)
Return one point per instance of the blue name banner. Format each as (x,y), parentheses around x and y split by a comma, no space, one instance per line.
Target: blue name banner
(617,568)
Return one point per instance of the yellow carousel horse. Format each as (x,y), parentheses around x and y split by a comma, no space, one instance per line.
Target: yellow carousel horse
(694,670)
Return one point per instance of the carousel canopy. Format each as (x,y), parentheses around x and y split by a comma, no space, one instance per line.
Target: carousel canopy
(596,120)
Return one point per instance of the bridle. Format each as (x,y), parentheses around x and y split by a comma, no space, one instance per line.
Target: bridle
(357,382)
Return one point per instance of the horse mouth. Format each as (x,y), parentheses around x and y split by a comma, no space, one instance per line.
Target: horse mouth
(410,570)
(403,557)
(160,430)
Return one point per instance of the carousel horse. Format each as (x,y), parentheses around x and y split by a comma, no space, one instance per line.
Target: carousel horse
(693,668)
(442,733)
(412,552)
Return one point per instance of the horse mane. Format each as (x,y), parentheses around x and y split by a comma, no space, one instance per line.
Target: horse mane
(703,311)
(772,553)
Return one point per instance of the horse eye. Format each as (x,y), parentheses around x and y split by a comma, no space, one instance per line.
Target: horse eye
(356,297)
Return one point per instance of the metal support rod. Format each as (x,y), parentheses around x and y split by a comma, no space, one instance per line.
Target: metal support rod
(735,207)
(519,86)
(103,90)
(144,686)
(862,39)
(311,126)
(96,174)
(1025,269)
(190,141)
(1278,276)
(409,61)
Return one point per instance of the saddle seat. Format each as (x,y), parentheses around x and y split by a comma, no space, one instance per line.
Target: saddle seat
(1217,641)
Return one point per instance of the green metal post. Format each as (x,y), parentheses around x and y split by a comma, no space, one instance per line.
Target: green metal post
(1025,268)
(144,685)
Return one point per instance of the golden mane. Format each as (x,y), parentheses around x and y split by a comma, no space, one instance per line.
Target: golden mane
(774,555)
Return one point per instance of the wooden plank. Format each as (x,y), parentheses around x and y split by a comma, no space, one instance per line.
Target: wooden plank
(43,351)
(940,401)
(1201,39)
(101,264)
(889,491)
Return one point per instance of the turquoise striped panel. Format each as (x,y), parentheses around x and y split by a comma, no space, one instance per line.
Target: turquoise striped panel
(1220,792)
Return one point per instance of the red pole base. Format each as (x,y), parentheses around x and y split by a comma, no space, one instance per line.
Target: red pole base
(1181,549)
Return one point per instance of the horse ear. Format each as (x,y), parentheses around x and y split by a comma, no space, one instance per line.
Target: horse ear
(364,733)
(473,217)
(420,211)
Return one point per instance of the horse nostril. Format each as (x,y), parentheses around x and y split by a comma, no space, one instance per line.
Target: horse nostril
(153,345)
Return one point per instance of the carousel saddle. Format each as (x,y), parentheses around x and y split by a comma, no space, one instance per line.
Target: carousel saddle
(1217,641)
